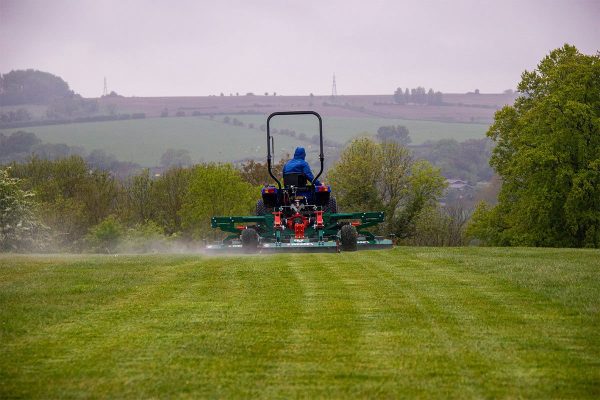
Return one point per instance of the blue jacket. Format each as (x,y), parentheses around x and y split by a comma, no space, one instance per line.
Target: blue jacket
(298,165)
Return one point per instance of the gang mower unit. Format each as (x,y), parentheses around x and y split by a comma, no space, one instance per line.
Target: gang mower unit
(299,215)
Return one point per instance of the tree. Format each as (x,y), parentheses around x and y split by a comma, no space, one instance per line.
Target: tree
(257,174)
(375,176)
(105,237)
(398,134)
(139,196)
(72,196)
(31,87)
(168,193)
(468,160)
(430,97)
(548,156)
(215,189)
(18,142)
(440,226)
(399,97)
(20,228)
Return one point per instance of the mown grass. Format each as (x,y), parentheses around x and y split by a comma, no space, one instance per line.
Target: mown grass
(144,141)
(409,322)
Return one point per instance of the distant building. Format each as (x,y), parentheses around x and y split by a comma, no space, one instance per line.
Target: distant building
(457,184)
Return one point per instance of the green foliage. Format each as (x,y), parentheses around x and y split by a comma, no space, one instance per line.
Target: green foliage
(483,226)
(72,197)
(257,174)
(139,190)
(355,177)
(105,237)
(468,160)
(19,146)
(398,133)
(20,228)
(424,188)
(17,142)
(144,238)
(215,189)
(437,225)
(548,155)
(168,193)
(371,176)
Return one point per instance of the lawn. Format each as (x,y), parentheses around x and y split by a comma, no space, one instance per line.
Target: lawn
(408,322)
(144,141)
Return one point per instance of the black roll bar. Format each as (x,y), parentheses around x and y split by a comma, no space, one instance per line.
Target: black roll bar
(321,156)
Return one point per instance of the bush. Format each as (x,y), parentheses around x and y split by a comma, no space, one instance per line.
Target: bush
(148,237)
(106,236)
(20,229)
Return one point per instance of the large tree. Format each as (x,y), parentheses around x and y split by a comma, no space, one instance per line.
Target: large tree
(548,156)
(31,87)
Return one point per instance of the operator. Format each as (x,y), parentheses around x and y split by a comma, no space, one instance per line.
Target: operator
(298,165)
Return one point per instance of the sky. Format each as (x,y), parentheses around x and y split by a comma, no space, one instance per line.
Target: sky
(199,48)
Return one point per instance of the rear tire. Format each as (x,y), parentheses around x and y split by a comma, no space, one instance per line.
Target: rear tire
(249,239)
(332,206)
(349,237)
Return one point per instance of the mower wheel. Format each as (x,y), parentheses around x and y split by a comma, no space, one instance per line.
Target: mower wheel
(349,237)
(332,206)
(261,209)
(249,239)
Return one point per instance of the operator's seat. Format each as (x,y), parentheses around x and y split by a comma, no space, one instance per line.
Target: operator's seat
(297,180)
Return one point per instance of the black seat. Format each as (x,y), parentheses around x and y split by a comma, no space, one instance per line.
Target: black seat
(297,180)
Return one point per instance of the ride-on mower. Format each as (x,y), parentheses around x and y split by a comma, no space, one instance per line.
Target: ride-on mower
(298,215)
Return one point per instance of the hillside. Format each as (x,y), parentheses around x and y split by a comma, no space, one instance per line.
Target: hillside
(408,322)
(144,140)
(478,108)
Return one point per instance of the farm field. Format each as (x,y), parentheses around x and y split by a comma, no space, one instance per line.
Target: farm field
(144,141)
(407,322)
(457,108)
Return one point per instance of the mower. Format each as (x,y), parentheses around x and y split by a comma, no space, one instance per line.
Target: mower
(298,215)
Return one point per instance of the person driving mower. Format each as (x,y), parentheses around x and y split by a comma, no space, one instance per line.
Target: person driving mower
(298,165)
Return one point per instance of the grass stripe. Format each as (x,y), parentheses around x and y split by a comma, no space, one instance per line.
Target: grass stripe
(411,322)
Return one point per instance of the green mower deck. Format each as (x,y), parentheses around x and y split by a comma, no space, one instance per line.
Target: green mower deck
(318,240)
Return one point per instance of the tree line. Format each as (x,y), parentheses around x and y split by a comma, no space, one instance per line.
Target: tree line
(418,95)
(71,206)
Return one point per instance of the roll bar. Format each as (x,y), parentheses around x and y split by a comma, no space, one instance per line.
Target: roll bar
(269,141)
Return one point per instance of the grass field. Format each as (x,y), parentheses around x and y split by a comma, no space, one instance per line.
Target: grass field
(408,322)
(144,141)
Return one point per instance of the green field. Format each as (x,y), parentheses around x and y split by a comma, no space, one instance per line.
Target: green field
(408,322)
(144,141)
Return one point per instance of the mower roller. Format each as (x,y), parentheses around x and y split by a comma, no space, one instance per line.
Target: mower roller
(298,216)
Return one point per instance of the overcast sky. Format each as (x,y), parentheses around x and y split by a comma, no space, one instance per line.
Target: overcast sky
(170,48)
